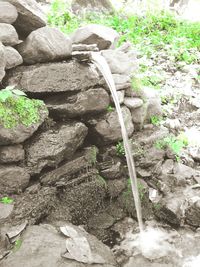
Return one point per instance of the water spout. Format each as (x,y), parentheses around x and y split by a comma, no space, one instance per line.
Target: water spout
(103,67)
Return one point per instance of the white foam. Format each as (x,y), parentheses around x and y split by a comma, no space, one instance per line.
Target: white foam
(192,261)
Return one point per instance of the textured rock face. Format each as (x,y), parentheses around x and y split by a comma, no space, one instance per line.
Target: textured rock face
(103,36)
(30,16)
(10,154)
(8,34)
(91,101)
(54,77)
(21,132)
(13,179)
(8,13)
(107,130)
(13,58)
(45,45)
(51,147)
(2,62)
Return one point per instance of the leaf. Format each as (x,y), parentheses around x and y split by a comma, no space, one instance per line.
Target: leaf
(18,92)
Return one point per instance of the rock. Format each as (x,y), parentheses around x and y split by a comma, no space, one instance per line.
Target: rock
(45,45)
(9,154)
(54,77)
(112,171)
(139,115)
(102,220)
(51,147)
(20,133)
(2,62)
(121,81)
(115,187)
(193,214)
(133,103)
(8,13)
(51,246)
(91,5)
(13,179)
(152,156)
(107,130)
(168,166)
(183,174)
(80,161)
(8,34)
(91,101)
(118,62)
(85,47)
(195,153)
(6,209)
(101,35)
(13,58)
(29,14)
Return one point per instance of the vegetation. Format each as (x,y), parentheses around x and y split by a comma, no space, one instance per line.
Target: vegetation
(16,108)
(128,192)
(120,149)
(6,200)
(110,108)
(156,120)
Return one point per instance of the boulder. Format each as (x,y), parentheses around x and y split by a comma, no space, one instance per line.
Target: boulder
(193,213)
(8,35)
(48,149)
(45,45)
(2,62)
(13,58)
(91,101)
(8,13)
(9,154)
(91,5)
(121,81)
(119,62)
(30,16)
(101,35)
(133,102)
(20,133)
(54,77)
(107,130)
(13,179)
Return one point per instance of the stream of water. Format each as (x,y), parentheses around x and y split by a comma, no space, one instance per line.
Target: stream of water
(104,68)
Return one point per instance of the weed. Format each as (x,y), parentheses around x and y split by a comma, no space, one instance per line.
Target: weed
(17,245)
(6,200)
(156,120)
(110,108)
(136,84)
(16,108)
(120,149)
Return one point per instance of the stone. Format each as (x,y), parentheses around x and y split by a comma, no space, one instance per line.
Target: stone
(51,147)
(13,58)
(29,14)
(2,62)
(54,77)
(139,115)
(42,245)
(8,13)
(115,187)
(107,129)
(168,166)
(183,174)
(85,47)
(193,214)
(121,81)
(91,101)
(6,209)
(101,35)
(91,5)
(102,220)
(111,172)
(13,179)
(152,156)
(119,62)
(8,35)
(9,154)
(20,133)
(44,45)
(133,103)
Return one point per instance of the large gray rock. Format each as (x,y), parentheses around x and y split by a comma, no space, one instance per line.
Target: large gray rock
(13,58)
(9,154)
(13,179)
(8,35)
(54,77)
(101,35)
(91,101)
(44,45)
(30,16)
(8,13)
(2,62)
(6,210)
(107,130)
(43,246)
(51,147)
(119,62)
(20,133)
(91,5)
(133,102)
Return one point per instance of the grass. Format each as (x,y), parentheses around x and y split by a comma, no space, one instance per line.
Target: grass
(6,200)
(149,33)
(16,108)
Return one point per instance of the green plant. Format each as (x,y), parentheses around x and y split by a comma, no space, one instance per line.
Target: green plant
(6,200)
(156,120)
(110,108)
(16,108)
(136,84)
(17,245)
(120,149)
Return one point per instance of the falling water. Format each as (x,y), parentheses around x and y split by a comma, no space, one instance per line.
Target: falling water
(103,67)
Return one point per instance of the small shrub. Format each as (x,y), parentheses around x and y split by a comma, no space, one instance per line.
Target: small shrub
(120,149)
(110,108)
(6,200)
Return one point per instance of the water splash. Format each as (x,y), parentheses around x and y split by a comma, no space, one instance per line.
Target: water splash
(192,261)
(103,67)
